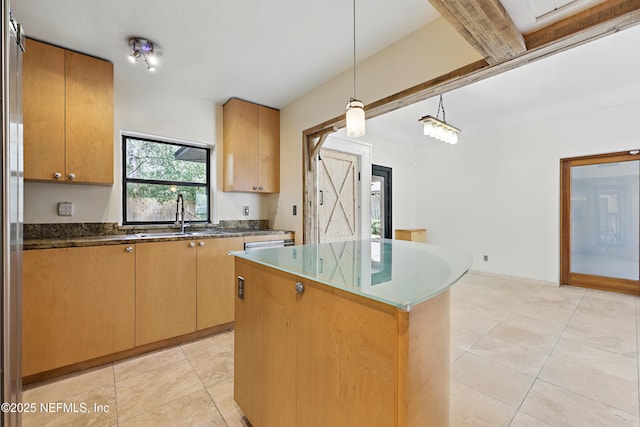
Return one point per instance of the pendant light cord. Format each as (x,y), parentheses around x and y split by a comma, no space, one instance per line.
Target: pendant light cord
(441,107)
(354,49)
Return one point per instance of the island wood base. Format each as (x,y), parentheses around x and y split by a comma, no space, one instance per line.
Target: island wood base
(327,357)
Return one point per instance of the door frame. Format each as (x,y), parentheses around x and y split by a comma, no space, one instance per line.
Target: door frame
(338,143)
(386,172)
(578,279)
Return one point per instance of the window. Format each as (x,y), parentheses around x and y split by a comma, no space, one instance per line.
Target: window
(155,172)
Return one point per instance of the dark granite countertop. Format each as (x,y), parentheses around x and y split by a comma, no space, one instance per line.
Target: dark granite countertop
(100,235)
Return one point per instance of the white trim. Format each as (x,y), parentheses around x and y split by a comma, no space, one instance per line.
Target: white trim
(509,277)
(167,139)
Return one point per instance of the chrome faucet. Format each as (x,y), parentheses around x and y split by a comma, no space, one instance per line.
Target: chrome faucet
(180,212)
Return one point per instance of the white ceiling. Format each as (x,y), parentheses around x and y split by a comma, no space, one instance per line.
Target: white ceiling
(601,74)
(274,52)
(269,52)
(531,15)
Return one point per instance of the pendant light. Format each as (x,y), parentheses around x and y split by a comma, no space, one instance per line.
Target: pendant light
(440,129)
(355,109)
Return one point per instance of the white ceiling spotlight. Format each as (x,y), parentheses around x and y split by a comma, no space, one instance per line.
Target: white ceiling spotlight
(145,49)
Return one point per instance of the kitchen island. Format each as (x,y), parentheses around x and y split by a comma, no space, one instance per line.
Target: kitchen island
(352,333)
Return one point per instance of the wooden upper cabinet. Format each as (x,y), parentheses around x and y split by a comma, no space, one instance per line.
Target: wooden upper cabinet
(251,144)
(43,110)
(68,116)
(268,150)
(89,117)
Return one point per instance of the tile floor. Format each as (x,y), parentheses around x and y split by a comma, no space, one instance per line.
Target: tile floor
(523,353)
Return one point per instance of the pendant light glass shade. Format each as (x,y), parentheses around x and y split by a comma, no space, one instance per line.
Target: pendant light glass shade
(440,130)
(355,119)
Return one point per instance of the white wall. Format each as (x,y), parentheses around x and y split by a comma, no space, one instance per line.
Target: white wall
(148,109)
(498,194)
(412,60)
(401,159)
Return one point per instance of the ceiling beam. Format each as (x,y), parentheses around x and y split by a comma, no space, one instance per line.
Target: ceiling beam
(613,13)
(484,24)
(607,18)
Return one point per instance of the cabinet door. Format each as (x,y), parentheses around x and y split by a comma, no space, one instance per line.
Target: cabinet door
(346,360)
(319,358)
(268,150)
(89,119)
(240,146)
(216,283)
(78,304)
(43,111)
(165,290)
(265,359)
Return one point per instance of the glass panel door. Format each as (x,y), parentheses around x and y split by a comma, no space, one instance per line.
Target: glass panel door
(600,224)
(380,202)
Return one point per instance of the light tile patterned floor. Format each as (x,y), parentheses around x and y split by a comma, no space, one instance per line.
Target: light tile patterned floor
(523,354)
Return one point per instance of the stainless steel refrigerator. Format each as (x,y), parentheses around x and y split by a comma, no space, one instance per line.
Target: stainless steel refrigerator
(12,217)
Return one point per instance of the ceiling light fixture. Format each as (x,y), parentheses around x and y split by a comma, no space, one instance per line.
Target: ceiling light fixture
(355,109)
(440,129)
(145,49)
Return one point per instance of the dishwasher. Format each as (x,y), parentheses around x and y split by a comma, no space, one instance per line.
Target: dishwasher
(268,244)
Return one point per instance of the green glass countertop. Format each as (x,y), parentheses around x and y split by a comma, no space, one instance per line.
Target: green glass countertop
(395,272)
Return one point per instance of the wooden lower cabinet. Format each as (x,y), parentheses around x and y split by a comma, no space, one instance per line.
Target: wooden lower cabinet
(215,281)
(325,357)
(165,290)
(78,304)
(83,303)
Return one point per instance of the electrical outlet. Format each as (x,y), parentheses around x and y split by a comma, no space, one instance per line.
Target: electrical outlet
(295,210)
(245,210)
(485,258)
(65,209)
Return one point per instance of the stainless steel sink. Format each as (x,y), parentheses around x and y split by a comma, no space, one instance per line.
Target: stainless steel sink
(166,234)
(206,232)
(179,234)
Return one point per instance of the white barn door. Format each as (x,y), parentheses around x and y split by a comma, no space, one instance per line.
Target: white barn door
(338,196)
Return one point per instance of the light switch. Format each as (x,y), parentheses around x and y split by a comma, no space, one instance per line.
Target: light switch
(65,209)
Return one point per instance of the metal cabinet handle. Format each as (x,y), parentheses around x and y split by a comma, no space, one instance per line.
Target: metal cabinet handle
(192,245)
(57,175)
(299,288)
(260,188)
(201,244)
(240,287)
(321,198)
(72,176)
(129,249)
(255,187)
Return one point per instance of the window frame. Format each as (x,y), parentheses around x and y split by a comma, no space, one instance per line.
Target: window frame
(173,142)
